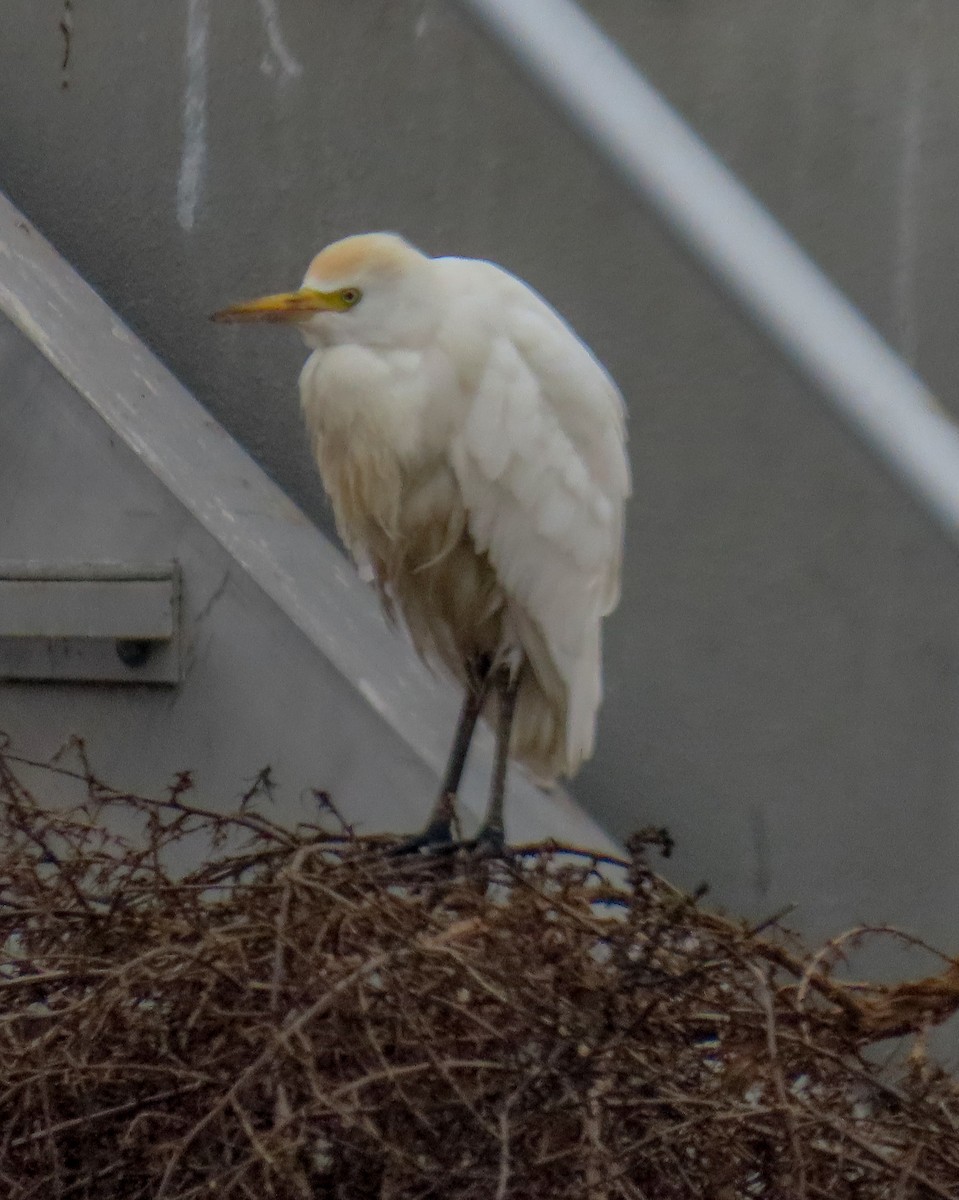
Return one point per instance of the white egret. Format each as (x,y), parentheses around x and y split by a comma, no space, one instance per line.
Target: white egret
(474,453)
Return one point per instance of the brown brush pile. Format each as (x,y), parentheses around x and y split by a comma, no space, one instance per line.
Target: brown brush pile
(306,1016)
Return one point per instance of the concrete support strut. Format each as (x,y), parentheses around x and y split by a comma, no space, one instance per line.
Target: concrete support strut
(729,233)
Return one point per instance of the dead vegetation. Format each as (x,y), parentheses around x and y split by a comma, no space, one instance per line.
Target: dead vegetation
(305,1016)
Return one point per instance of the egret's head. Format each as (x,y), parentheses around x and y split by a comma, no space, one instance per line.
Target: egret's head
(373,289)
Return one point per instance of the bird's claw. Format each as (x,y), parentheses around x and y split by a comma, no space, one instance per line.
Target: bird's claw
(436,838)
(490,842)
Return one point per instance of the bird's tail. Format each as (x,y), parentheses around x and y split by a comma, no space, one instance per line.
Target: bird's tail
(554,728)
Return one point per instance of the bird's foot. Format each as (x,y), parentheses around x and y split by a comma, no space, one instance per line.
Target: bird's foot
(490,842)
(436,838)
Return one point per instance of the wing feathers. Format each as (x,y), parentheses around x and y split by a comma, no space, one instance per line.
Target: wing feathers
(542,468)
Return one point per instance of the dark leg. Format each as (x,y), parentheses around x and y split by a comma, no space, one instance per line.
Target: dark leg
(439,827)
(491,835)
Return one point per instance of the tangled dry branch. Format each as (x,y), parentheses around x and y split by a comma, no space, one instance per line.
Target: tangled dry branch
(306,1016)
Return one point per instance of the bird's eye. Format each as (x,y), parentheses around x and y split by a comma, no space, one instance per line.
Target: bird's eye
(350,296)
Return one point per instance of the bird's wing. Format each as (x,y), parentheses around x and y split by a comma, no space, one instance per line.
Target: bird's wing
(540,458)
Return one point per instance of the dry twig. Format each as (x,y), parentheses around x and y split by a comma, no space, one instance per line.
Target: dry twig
(304,1016)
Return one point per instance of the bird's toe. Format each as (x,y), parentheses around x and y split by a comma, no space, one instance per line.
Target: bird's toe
(490,842)
(436,838)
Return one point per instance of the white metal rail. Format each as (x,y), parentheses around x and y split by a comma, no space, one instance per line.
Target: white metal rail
(728,231)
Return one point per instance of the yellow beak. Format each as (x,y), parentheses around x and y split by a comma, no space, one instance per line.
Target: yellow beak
(286,306)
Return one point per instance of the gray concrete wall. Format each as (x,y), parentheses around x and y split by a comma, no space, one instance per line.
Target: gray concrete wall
(783,670)
(255,692)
